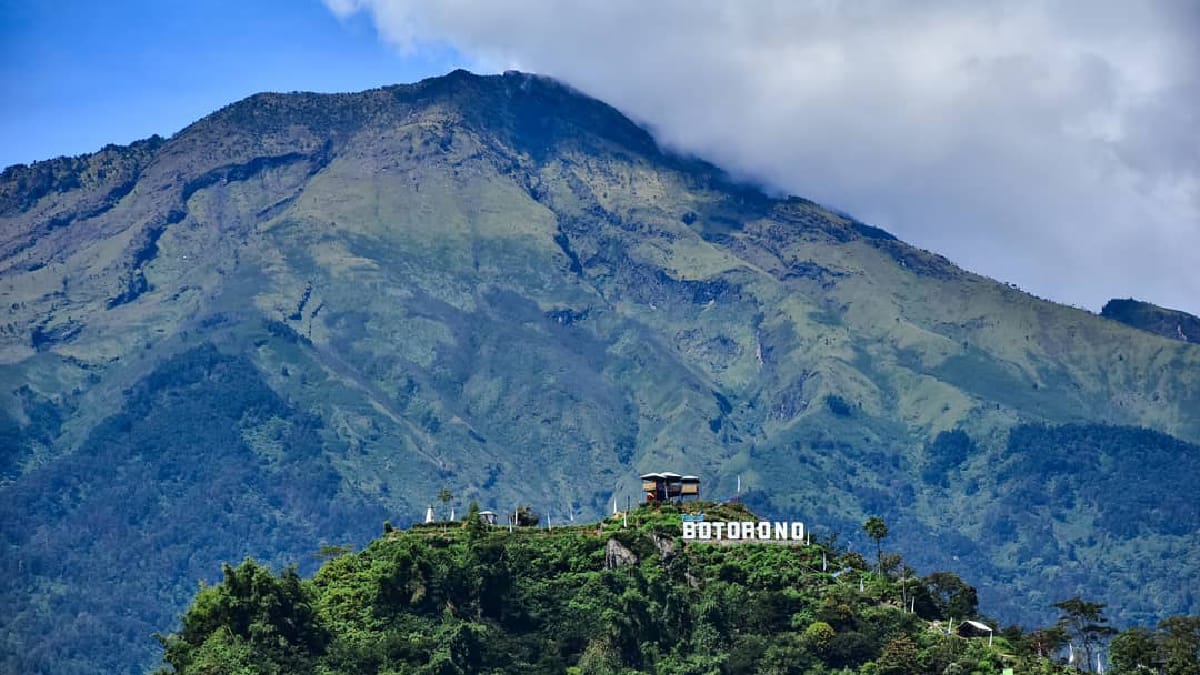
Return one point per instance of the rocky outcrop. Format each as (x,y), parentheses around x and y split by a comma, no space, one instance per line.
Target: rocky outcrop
(617,555)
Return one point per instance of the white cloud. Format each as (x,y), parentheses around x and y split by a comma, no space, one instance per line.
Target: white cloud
(1051,144)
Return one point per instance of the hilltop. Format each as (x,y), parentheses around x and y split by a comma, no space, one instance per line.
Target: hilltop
(306,313)
(598,598)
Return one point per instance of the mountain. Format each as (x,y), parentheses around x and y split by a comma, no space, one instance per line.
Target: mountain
(307,313)
(1169,323)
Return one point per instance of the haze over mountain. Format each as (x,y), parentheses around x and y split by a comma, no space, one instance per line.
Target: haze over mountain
(306,313)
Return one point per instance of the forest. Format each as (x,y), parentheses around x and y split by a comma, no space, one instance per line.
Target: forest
(467,597)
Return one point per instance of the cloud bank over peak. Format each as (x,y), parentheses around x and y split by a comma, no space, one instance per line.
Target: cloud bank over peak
(1054,145)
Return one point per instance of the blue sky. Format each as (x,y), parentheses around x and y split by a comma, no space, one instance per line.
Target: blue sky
(76,75)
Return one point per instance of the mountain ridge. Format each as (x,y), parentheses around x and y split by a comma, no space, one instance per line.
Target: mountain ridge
(1169,323)
(476,281)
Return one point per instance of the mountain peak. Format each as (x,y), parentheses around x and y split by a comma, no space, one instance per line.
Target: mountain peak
(534,111)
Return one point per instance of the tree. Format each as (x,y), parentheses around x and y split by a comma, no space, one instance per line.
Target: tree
(445,496)
(899,657)
(877,530)
(474,523)
(817,636)
(891,565)
(331,551)
(1133,651)
(266,618)
(947,452)
(1180,636)
(1084,621)
(838,405)
(600,658)
(1046,641)
(952,597)
(525,517)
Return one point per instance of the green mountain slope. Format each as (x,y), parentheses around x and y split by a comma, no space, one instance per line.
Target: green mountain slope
(502,286)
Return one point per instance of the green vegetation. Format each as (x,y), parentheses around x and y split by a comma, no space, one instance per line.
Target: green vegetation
(1174,646)
(154,499)
(307,313)
(876,529)
(482,600)
(1168,323)
(1071,496)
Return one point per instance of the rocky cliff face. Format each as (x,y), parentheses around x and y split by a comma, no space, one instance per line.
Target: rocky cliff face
(306,313)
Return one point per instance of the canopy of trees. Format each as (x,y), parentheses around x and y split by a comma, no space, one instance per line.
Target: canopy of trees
(479,599)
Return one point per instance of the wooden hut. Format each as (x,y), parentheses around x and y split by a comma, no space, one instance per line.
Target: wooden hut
(667,486)
(654,487)
(690,487)
(970,629)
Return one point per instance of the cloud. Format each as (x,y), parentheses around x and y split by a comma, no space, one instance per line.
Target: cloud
(1054,145)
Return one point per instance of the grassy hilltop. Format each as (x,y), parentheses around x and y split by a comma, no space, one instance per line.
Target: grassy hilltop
(304,313)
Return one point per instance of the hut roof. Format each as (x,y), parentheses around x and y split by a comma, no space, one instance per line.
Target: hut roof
(975,625)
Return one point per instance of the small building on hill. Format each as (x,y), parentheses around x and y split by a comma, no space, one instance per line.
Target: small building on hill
(970,629)
(667,486)
(690,487)
(488,517)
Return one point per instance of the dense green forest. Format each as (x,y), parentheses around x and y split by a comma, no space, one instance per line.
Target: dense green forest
(465,597)
(105,547)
